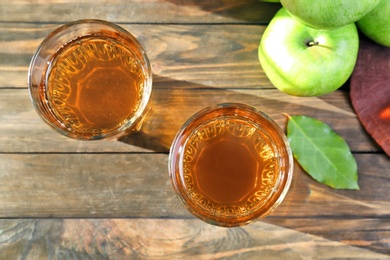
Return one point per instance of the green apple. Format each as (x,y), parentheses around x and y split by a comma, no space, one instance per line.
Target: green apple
(376,24)
(328,14)
(303,61)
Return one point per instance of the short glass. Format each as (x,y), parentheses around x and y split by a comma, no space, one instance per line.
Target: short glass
(91,79)
(230,164)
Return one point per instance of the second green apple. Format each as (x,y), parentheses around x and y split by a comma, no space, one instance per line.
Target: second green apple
(303,61)
(376,24)
(328,14)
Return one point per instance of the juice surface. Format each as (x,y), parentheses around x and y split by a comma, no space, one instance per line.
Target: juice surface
(229,166)
(95,84)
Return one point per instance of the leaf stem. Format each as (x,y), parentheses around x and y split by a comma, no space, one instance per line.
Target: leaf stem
(286,115)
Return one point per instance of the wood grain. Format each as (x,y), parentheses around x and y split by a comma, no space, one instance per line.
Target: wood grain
(348,230)
(67,199)
(189,53)
(139,11)
(137,185)
(23,131)
(165,239)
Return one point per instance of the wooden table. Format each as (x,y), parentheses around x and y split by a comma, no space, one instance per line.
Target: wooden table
(67,199)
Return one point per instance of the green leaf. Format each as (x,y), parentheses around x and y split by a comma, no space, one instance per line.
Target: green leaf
(322,153)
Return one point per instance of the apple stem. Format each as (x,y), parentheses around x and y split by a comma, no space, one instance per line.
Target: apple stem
(313,43)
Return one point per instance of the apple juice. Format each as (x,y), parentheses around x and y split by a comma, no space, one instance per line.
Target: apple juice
(232,166)
(94,84)
(91,79)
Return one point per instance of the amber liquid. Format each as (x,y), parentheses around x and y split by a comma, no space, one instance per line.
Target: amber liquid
(95,85)
(230,167)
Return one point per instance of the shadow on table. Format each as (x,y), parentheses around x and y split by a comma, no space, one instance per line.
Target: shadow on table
(169,109)
(143,140)
(255,11)
(174,101)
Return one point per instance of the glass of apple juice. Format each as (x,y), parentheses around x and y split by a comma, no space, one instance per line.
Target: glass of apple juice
(230,164)
(91,79)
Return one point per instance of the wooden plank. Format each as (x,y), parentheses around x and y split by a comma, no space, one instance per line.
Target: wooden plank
(137,185)
(140,11)
(21,130)
(202,53)
(376,232)
(190,53)
(167,239)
